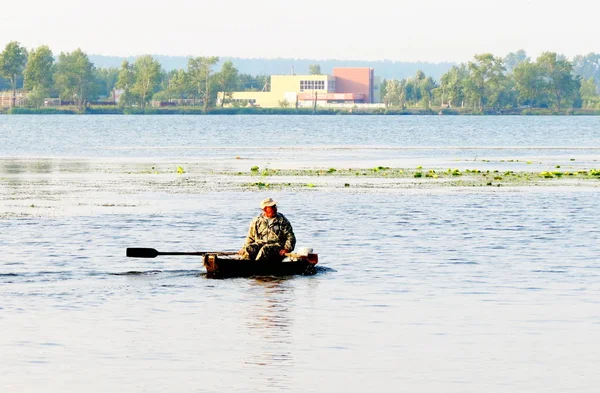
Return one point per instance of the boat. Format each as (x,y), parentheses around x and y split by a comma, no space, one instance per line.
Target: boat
(223,266)
(220,264)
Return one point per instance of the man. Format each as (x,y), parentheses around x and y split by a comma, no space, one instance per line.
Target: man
(270,236)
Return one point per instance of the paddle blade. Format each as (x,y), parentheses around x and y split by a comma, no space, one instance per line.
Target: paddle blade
(142,253)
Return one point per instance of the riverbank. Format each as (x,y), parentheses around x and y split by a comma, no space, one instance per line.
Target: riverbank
(114,110)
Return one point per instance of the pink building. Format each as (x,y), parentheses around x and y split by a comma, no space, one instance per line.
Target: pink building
(356,80)
(349,85)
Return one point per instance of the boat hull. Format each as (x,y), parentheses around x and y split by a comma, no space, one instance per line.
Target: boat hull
(231,266)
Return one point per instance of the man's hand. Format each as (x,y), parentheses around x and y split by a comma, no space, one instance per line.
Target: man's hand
(283,252)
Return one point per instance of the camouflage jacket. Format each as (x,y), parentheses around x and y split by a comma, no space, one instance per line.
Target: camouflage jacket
(279,231)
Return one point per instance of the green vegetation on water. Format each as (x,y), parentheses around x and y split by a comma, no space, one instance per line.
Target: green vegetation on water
(449,176)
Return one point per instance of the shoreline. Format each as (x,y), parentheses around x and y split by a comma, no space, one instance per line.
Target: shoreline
(115,110)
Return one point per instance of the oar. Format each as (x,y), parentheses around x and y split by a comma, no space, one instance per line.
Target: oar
(152,253)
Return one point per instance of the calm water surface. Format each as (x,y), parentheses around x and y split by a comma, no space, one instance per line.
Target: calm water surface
(216,136)
(425,291)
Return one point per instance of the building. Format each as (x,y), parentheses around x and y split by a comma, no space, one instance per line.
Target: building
(348,86)
(6,98)
(355,80)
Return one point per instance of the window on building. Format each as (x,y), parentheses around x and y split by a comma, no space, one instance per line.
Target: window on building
(312,85)
(331,85)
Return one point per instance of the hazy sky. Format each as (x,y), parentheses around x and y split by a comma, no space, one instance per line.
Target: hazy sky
(424,30)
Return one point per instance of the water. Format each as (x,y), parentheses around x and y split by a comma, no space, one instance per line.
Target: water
(218,136)
(428,290)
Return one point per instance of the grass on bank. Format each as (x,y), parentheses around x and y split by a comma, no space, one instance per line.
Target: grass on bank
(115,110)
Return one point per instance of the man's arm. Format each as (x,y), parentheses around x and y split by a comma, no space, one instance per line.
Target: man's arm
(251,237)
(290,238)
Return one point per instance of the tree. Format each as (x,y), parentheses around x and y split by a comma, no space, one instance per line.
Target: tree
(486,73)
(426,87)
(38,76)
(36,97)
(38,71)
(558,78)
(227,79)
(529,82)
(513,59)
(125,82)
(179,83)
(200,71)
(588,92)
(393,94)
(146,72)
(505,95)
(106,80)
(382,88)
(453,85)
(74,77)
(588,66)
(416,90)
(12,64)
(4,84)
(247,82)
(314,69)
(588,88)
(410,90)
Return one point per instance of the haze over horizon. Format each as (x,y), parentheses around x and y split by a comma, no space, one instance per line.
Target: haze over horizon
(430,31)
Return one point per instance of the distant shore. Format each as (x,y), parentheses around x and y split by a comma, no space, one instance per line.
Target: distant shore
(114,110)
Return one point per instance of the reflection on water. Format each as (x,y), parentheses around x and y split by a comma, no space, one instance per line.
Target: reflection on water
(35,187)
(269,321)
(42,166)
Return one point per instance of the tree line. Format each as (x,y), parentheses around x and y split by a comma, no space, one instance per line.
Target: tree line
(73,78)
(388,69)
(490,82)
(551,81)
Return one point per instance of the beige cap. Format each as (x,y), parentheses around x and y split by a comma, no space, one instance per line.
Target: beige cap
(267,202)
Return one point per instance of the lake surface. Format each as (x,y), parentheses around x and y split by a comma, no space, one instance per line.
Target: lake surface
(418,290)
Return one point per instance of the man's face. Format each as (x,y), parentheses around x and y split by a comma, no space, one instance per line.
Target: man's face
(270,211)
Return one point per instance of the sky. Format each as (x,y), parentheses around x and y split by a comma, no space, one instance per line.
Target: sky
(397,30)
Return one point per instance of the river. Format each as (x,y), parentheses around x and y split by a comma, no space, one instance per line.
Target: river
(435,289)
